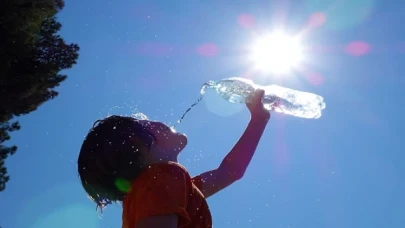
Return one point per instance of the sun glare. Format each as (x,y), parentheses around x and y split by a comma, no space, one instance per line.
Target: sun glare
(276,53)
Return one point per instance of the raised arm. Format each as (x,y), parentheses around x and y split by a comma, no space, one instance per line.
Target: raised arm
(235,163)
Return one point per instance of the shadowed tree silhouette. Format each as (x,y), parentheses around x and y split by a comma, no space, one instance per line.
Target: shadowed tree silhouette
(32,55)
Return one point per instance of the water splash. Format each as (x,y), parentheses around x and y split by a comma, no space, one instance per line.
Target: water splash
(139,116)
(209,84)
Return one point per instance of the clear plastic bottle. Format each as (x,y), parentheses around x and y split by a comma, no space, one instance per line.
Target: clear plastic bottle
(276,98)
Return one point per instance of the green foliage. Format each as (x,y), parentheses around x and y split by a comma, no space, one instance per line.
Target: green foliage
(32,55)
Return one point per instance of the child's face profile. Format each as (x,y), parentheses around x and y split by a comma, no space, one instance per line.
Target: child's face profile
(167,142)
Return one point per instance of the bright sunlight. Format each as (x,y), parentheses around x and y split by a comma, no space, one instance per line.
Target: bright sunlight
(276,53)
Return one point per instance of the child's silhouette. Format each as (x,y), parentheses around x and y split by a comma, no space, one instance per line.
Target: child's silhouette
(135,161)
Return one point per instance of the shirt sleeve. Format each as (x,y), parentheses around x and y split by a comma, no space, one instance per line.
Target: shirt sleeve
(162,190)
(198,182)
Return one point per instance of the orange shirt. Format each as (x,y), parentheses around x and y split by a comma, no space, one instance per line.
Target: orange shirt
(166,188)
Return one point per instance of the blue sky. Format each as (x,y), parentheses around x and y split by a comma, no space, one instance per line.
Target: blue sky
(342,170)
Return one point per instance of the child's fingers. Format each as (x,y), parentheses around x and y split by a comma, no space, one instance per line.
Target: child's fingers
(258,95)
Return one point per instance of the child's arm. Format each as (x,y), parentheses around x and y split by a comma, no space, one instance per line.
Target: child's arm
(235,163)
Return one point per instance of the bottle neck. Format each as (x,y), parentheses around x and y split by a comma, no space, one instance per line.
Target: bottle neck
(209,84)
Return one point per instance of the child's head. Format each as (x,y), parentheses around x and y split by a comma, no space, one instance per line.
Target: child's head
(117,149)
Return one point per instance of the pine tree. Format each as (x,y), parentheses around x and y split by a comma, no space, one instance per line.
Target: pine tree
(32,55)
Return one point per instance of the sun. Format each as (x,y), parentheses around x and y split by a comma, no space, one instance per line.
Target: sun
(276,53)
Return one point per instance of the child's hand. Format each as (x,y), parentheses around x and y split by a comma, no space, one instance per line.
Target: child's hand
(255,106)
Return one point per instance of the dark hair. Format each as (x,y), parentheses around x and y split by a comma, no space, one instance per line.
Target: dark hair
(108,161)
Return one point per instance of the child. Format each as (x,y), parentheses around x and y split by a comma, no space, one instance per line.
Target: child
(135,161)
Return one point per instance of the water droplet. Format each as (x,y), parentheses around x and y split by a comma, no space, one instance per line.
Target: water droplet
(139,116)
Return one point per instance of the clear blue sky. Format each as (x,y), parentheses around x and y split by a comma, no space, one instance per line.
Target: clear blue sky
(342,170)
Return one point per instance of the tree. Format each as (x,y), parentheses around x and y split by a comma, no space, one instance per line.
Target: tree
(32,55)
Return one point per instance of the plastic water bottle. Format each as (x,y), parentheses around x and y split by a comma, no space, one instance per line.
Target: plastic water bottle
(276,98)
